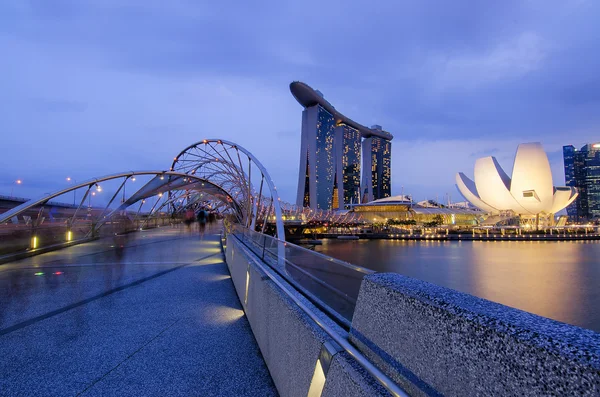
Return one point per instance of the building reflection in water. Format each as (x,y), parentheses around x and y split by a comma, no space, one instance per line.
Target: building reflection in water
(558,280)
(546,278)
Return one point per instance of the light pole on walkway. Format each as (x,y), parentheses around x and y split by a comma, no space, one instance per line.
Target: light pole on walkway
(132,179)
(90,199)
(98,189)
(69,179)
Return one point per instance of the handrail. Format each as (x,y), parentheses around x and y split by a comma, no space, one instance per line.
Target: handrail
(343,303)
(320,303)
(330,259)
(322,256)
(379,376)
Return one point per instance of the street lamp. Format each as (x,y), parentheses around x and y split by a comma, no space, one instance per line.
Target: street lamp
(98,189)
(125,186)
(90,199)
(17,182)
(69,179)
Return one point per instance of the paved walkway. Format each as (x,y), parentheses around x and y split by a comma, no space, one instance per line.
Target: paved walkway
(160,319)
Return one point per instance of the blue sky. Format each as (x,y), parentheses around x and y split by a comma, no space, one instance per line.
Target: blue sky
(100,86)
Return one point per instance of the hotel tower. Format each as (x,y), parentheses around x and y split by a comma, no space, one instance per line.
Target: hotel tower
(330,156)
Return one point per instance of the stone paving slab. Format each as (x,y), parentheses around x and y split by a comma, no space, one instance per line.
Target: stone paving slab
(34,286)
(182,333)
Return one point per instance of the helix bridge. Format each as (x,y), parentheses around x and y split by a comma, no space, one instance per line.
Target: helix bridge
(213,173)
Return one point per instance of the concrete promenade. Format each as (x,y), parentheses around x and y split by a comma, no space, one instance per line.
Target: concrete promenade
(158,318)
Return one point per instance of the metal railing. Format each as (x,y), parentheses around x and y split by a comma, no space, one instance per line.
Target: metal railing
(331,284)
(252,241)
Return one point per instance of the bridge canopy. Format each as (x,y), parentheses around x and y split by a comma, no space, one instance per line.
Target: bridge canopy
(219,173)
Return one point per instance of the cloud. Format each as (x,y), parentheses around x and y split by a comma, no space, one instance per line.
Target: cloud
(112,85)
(508,60)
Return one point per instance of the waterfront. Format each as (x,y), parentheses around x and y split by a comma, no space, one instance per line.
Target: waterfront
(559,280)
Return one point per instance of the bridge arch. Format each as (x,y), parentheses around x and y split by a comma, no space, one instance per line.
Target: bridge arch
(160,182)
(221,169)
(231,166)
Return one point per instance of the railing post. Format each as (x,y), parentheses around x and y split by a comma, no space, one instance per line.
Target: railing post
(94,231)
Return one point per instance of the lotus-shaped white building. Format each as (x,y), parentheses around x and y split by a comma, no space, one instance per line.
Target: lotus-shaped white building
(529,192)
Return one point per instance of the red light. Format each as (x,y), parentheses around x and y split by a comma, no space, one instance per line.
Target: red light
(58,273)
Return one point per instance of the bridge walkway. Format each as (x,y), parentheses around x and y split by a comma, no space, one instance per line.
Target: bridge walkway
(160,317)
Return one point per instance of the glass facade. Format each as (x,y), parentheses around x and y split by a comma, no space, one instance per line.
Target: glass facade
(350,164)
(582,170)
(591,179)
(381,167)
(306,199)
(569,163)
(324,158)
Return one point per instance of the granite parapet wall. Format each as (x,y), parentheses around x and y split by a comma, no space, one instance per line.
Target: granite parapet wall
(436,341)
(303,360)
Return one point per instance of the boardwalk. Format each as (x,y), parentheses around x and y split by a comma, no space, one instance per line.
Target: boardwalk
(160,318)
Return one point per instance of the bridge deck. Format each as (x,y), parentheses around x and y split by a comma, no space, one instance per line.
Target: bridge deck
(160,318)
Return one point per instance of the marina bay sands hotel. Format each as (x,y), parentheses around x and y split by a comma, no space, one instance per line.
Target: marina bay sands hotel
(330,156)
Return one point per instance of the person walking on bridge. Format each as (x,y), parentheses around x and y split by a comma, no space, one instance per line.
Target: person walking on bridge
(189,219)
(202,218)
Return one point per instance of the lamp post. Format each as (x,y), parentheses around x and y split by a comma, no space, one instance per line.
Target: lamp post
(17,182)
(124,186)
(69,179)
(98,189)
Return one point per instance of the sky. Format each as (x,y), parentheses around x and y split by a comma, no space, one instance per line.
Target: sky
(95,87)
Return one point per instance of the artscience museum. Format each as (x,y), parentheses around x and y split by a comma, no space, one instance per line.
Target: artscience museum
(528,193)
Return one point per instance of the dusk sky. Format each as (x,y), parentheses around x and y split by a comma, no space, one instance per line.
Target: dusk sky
(95,87)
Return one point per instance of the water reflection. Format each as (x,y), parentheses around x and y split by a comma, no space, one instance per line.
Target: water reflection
(544,278)
(553,279)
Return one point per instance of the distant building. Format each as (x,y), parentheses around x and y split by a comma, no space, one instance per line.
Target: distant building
(529,193)
(569,163)
(377,160)
(347,145)
(330,156)
(582,171)
(316,161)
(462,204)
(400,209)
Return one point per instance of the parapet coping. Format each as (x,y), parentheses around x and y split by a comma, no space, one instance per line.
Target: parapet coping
(579,344)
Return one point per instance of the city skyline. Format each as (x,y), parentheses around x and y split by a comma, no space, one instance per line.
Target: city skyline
(330,173)
(133,82)
(529,192)
(582,171)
